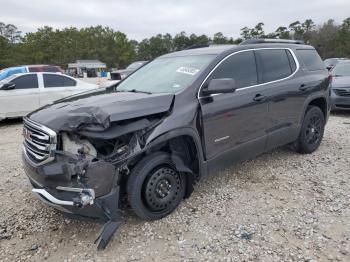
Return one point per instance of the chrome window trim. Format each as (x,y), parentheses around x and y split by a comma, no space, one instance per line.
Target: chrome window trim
(247,87)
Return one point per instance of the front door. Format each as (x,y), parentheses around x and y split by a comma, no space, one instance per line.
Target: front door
(234,124)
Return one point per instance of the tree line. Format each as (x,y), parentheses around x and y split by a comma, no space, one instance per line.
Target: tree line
(60,47)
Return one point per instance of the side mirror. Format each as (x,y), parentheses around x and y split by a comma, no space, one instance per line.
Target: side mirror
(8,86)
(219,86)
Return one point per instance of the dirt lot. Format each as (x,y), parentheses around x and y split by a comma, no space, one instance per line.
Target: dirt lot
(281,206)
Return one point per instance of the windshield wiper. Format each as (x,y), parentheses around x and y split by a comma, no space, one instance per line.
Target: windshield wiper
(134,91)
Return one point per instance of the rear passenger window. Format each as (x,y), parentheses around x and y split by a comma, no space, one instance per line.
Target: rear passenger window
(241,67)
(57,81)
(26,81)
(274,64)
(311,59)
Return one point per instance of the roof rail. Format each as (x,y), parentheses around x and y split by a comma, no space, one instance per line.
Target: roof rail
(197,46)
(268,40)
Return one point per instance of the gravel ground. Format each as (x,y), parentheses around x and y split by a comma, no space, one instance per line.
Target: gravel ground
(281,206)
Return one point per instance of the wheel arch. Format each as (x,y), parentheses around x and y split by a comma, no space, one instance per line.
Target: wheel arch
(320,102)
(190,160)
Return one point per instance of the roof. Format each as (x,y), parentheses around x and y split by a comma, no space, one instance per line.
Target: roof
(210,50)
(219,49)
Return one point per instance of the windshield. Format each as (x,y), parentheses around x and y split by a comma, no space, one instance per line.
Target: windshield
(341,70)
(166,75)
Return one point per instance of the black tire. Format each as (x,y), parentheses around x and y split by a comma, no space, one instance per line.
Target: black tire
(149,193)
(311,132)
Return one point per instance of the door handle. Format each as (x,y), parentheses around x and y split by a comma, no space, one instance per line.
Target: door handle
(259,98)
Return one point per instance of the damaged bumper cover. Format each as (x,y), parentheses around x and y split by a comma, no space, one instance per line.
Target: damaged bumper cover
(80,187)
(72,185)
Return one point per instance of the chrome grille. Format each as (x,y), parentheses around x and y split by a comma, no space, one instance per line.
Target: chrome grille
(342,92)
(39,142)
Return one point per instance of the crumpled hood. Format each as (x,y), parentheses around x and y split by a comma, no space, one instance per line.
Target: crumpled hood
(97,109)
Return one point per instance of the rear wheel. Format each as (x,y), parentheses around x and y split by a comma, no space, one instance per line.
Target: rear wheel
(312,130)
(155,188)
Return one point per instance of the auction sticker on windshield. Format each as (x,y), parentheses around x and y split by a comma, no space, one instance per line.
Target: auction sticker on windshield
(187,70)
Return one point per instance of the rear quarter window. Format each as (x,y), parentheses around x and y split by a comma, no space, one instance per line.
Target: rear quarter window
(311,60)
(52,80)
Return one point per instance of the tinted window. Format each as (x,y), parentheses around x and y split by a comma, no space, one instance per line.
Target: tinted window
(241,67)
(57,81)
(26,81)
(34,69)
(274,64)
(311,59)
(52,69)
(69,82)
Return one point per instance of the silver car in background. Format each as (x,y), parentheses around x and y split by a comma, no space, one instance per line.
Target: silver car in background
(340,86)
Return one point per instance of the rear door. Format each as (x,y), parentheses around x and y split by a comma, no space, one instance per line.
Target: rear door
(234,124)
(57,86)
(21,100)
(278,71)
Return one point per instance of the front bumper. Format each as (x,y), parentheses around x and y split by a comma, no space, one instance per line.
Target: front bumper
(58,186)
(339,102)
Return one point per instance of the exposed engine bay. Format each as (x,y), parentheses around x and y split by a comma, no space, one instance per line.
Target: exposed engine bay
(91,165)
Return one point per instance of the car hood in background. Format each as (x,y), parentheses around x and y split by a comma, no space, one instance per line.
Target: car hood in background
(341,82)
(123,71)
(95,110)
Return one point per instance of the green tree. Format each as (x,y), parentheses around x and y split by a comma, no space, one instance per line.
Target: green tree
(10,32)
(282,32)
(219,38)
(342,40)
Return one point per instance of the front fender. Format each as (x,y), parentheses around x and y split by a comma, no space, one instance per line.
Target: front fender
(184,131)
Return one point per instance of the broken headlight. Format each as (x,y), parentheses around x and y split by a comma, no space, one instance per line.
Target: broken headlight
(76,145)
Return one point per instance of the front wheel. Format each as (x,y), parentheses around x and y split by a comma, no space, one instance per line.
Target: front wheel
(155,188)
(312,130)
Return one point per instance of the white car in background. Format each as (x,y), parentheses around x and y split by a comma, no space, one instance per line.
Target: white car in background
(22,93)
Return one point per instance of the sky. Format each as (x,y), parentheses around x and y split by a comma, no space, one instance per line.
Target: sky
(145,18)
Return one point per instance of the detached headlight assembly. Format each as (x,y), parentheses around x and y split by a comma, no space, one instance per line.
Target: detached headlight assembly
(75,145)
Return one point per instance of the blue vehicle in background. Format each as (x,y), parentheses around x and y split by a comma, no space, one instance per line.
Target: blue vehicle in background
(5,73)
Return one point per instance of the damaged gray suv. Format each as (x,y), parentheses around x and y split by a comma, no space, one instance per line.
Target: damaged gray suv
(148,140)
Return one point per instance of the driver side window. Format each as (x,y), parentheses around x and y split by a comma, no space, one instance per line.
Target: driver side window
(241,67)
(26,81)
